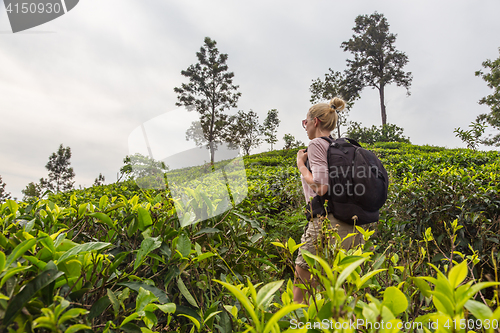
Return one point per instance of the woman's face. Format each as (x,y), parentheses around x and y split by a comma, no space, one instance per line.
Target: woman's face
(309,126)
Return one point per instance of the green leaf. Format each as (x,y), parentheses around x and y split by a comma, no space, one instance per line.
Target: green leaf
(48,244)
(82,209)
(395,300)
(11,272)
(104,218)
(103,202)
(443,303)
(244,302)
(2,261)
(266,293)
(185,292)
(29,226)
(166,308)
(457,274)
(114,301)
(323,263)
(368,276)
(133,316)
(30,289)
(77,327)
(280,314)
(194,320)
(117,261)
(348,270)
(19,250)
(422,286)
(478,310)
(204,256)
(148,244)
(144,218)
(92,246)
(70,314)
(207,231)
(13,206)
(98,307)
(136,286)
(184,245)
(187,219)
(144,298)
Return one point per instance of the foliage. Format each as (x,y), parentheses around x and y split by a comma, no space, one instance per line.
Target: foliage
(471,137)
(334,85)
(119,258)
(60,173)
(493,101)
(210,91)
(270,127)
(146,171)
(376,62)
(362,291)
(32,190)
(4,195)
(384,133)
(290,142)
(245,130)
(99,180)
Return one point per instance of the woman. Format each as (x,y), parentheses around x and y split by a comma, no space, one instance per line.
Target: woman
(321,120)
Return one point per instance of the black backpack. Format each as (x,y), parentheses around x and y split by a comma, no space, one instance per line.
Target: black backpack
(358,184)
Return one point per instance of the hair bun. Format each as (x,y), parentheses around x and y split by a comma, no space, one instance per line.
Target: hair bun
(337,104)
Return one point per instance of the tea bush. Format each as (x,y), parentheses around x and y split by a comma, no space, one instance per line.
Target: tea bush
(115,257)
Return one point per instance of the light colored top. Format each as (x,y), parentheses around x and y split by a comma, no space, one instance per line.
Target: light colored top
(316,154)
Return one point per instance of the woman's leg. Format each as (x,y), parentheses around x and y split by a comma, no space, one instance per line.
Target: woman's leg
(302,276)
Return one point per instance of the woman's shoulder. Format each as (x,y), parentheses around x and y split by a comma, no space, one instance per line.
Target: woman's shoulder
(319,142)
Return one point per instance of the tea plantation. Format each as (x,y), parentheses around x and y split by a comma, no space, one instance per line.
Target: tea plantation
(117,258)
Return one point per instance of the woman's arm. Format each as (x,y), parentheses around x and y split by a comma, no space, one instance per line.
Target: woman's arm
(320,189)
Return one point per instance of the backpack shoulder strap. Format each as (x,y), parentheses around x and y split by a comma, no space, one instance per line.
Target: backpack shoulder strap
(328,138)
(353,142)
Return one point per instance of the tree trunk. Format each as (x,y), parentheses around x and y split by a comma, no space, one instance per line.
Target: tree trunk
(382,105)
(211,137)
(338,125)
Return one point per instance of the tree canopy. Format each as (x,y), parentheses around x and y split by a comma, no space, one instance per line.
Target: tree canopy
(376,62)
(334,85)
(4,195)
(60,173)
(245,130)
(492,78)
(210,92)
(270,127)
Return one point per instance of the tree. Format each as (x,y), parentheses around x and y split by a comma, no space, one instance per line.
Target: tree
(4,195)
(32,190)
(147,172)
(60,173)
(471,137)
(386,133)
(210,91)
(270,127)
(99,180)
(245,131)
(376,62)
(493,101)
(290,142)
(334,85)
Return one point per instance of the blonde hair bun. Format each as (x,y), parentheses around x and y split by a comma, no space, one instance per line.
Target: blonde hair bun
(337,104)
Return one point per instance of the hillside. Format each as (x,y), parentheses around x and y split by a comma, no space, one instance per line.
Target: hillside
(117,258)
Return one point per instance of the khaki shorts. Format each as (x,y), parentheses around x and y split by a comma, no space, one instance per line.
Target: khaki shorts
(313,231)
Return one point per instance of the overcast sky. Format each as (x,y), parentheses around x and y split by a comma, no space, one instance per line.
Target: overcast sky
(90,78)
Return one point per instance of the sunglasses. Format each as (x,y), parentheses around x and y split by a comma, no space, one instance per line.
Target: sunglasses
(304,122)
